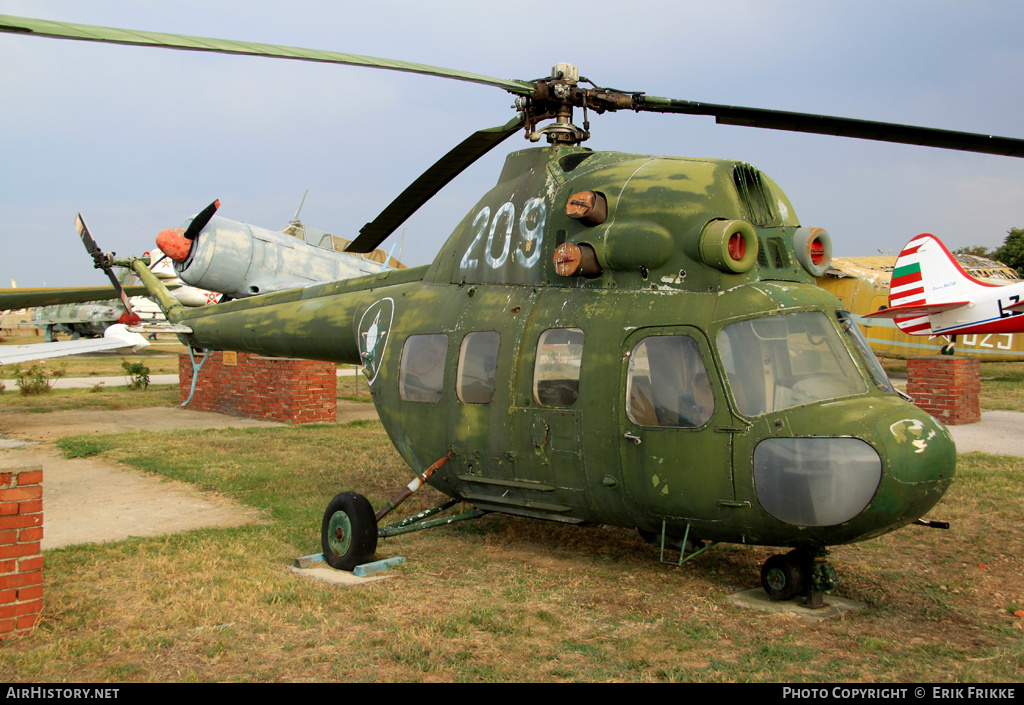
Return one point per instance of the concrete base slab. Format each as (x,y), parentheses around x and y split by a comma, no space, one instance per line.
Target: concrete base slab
(758,599)
(336,577)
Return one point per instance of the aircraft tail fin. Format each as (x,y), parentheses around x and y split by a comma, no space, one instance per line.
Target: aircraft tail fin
(927,279)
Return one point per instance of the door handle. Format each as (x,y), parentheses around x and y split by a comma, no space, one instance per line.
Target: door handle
(630,437)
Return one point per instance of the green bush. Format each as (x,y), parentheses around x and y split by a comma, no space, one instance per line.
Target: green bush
(137,374)
(36,380)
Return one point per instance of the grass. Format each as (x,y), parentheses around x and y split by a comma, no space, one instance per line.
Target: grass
(500,599)
(1002,393)
(161,357)
(89,398)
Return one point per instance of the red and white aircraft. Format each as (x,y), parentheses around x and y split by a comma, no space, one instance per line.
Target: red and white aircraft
(931,294)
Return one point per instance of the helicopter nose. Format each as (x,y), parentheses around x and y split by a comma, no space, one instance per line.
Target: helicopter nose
(921,458)
(880,474)
(172,242)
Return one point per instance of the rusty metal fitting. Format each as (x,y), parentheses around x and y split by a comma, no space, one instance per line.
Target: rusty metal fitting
(576,261)
(588,207)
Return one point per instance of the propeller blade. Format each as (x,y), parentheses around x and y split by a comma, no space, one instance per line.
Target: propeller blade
(836,126)
(101,261)
(430,182)
(91,33)
(200,221)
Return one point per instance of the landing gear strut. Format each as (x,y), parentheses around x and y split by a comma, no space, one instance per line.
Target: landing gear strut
(801,572)
(349,531)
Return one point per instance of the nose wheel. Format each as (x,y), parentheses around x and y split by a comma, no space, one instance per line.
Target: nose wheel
(801,572)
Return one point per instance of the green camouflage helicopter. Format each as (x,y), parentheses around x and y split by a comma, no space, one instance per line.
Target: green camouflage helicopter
(607,338)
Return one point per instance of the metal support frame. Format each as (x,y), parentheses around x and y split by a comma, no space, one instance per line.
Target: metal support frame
(682,551)
(421,521)
(413,486)
(821,577)
(195,372)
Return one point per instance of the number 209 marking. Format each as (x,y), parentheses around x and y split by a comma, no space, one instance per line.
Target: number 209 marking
(502,226)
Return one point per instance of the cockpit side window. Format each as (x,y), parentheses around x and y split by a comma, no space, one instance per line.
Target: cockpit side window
(853,331)
(421,374)
(667,384)
(556,374)
(782,361)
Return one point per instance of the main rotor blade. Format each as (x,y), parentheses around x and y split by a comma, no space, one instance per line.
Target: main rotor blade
(430,182)
(91,33)
(39,296)
(839,127)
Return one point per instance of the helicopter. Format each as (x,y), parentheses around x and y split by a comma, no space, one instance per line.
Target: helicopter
(607,338)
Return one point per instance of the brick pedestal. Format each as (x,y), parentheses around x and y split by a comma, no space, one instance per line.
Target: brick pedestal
(21,558)
(946,386)
(267,388)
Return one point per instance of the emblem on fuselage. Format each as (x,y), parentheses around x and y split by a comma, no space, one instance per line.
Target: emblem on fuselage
(374,331)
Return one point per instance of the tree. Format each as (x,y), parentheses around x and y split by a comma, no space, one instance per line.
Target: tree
(1012,252)
(976,251)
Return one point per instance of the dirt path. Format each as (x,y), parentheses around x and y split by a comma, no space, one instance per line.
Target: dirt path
(91,501)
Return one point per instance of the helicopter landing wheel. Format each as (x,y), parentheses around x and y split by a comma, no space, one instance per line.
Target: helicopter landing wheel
(348,533)
(784,577)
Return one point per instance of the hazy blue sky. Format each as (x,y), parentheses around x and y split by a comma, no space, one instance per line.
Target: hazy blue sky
(139,139)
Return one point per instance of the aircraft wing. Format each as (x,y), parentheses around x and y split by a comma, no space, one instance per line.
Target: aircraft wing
(916,310)
(1019,306)
(117,337)
(48,296)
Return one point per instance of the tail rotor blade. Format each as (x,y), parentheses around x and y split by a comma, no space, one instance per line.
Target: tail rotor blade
(101,261)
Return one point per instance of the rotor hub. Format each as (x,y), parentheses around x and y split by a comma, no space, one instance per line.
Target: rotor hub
(554,99)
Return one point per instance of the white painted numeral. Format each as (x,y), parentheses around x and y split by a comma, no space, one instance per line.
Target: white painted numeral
(480,223)
(509,211)
(534,213)
(529,235)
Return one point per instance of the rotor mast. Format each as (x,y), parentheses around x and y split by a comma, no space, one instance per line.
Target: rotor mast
(554,99)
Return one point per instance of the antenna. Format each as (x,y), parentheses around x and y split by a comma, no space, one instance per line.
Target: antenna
(295,218)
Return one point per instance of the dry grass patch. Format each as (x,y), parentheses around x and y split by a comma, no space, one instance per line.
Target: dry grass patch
(87,398)
(503,599)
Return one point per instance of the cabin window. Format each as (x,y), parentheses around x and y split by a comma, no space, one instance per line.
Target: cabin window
(556,375)
(478,364)
(667,383)
(421,375)
(783,361)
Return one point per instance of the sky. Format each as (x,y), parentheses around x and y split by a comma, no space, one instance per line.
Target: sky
(139,139)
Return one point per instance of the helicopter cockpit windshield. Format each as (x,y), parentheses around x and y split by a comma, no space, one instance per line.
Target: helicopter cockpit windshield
(787,360)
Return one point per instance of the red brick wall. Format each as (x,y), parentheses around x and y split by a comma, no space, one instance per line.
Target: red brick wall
(267,388)
(21,559)
(946,386)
